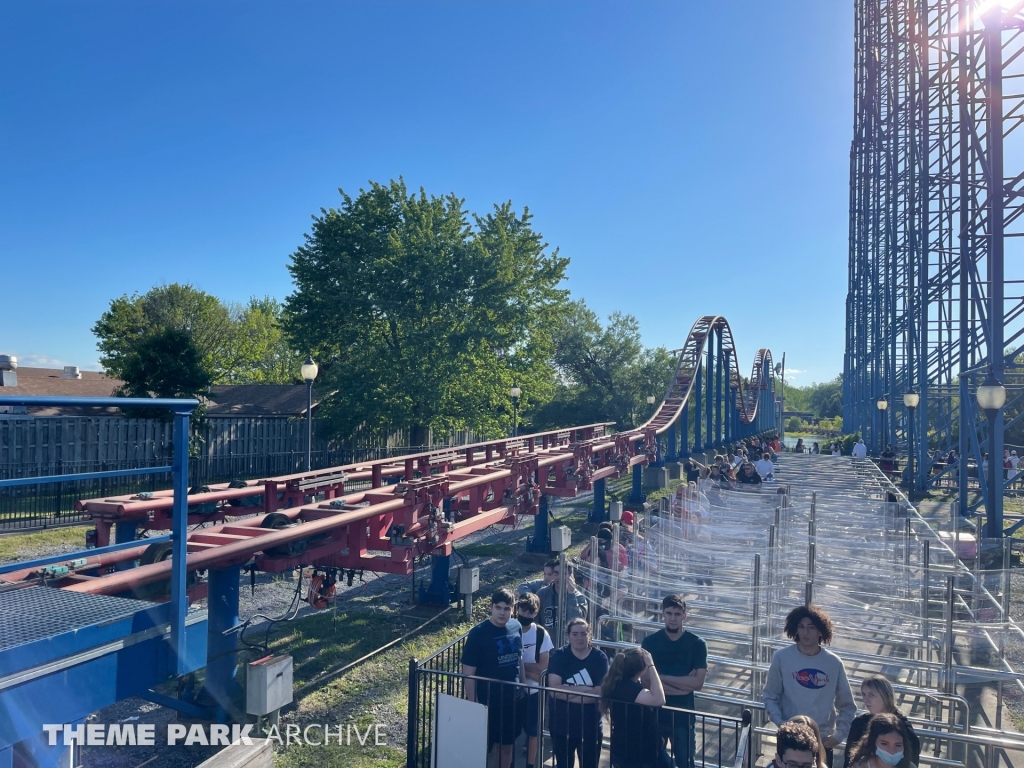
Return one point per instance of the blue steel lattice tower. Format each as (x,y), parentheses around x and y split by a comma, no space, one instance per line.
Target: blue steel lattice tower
(936,191)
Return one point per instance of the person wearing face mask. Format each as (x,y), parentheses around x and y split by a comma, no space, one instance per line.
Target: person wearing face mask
(879,697)
(536,647)
(884,745)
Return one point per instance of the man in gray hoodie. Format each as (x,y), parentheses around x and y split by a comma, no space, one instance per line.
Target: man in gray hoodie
(806,679)
(575,602)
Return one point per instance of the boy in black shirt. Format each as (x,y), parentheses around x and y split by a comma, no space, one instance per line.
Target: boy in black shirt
(494,650)
(681,659)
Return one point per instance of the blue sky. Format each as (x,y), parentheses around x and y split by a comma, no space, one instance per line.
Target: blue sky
(690,158)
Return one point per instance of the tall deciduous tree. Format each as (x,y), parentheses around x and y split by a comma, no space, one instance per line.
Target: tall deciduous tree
(261,353)
(131,320)
(164,364)
(605,371)
(419,319)
(235,344)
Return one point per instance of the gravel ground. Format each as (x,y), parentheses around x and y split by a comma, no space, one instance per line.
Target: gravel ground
(274,596)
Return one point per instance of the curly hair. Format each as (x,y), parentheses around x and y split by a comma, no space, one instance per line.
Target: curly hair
(795,736)
(817,616)
(819,753)
(880,725)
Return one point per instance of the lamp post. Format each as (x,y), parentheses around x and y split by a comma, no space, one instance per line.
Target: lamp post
(882,406)
(309,372)
(515,392)
(991,399)
(650,406)
(911,399)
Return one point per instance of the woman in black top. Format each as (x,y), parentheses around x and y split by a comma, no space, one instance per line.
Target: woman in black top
(879,697)
(632,709)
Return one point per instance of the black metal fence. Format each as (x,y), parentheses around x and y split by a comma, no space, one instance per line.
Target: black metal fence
(629,734)
(41,505)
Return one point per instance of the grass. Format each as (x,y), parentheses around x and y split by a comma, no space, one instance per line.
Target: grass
(16,545)
(484,550)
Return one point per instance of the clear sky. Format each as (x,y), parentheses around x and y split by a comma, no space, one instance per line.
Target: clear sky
(689,157)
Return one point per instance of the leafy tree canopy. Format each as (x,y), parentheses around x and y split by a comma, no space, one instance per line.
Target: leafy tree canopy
(824,400)
(422,314)
(605,372)
(237,344)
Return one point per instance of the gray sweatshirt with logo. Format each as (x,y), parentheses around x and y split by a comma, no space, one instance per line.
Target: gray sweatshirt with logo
(815,686)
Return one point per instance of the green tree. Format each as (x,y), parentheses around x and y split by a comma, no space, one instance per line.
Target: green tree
(420,320)
(132,320)
(236,344)
(605,372)
(166,364)
(261,353)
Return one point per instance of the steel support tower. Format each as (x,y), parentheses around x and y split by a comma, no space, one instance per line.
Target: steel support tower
(936,192)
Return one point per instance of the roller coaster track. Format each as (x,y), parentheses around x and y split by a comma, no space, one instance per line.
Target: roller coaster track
(420,504)
(681,389)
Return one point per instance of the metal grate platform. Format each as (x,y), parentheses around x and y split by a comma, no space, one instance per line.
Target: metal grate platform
(36,613)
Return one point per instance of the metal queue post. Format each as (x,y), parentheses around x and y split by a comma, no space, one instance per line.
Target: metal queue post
(743,560)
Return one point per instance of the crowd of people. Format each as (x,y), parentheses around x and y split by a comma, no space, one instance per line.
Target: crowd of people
(645,694)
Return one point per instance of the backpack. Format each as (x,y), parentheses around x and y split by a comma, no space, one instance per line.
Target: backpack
(541,634)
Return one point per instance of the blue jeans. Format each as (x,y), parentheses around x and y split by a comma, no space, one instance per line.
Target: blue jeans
(679,727)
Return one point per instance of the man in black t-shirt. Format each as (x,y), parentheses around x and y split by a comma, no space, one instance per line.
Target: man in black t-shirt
(692,471)
(681,659)
(494,650)
(576,720)
(747,478)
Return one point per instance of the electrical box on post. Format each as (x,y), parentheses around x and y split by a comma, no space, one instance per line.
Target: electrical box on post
(268,685)
(561,538)
(615,511)
(469,581)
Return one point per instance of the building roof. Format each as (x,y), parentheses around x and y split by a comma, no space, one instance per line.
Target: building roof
(47,382)
(231,399)
(259,400)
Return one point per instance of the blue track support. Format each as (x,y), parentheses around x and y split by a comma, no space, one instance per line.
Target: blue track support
(541,541)
(719,392)
(179,539)
(123,533)
(222,642)
(439,592)
(598,513)
(7,757)
(709,390)
(684,432)
(698,443)
(636,494)
(671,455)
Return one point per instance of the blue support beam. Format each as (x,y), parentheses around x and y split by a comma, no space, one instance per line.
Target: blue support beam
(671,455)
(439,591)
(709,422)
(684,432)
(636,494)
(179,539)
(541,540)
(599,513)
(222,689)
(698,380)
(124,532)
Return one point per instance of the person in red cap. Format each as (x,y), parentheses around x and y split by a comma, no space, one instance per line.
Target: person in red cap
(627,518)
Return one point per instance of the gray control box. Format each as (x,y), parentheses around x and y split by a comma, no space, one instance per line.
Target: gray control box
(268,685)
